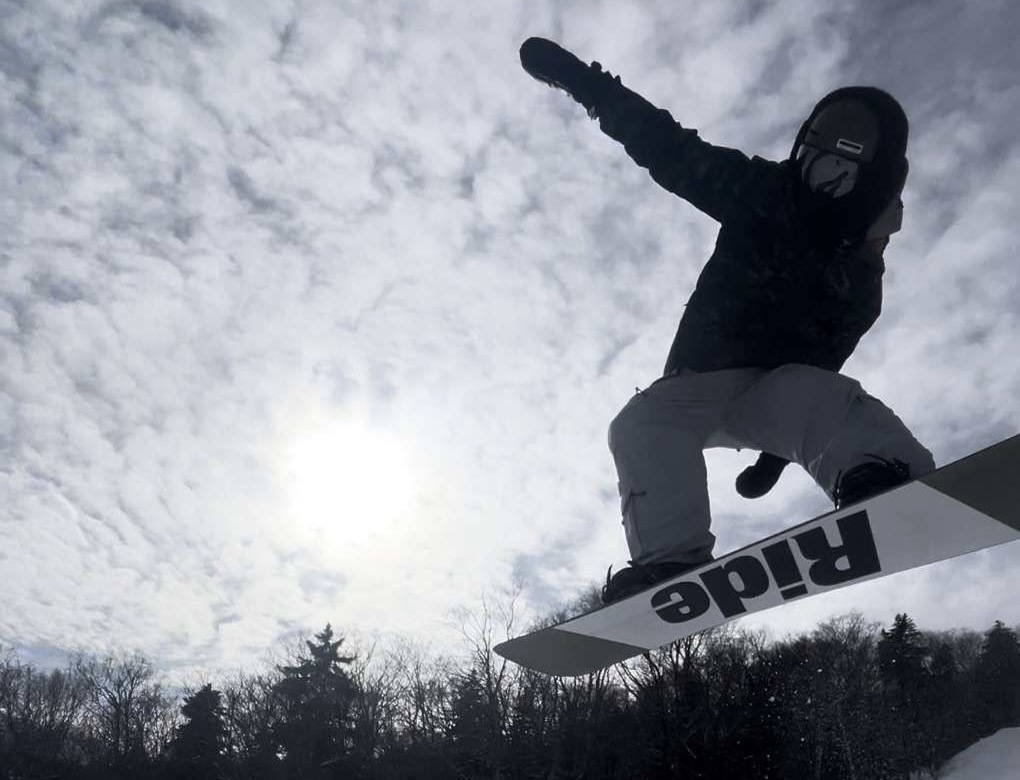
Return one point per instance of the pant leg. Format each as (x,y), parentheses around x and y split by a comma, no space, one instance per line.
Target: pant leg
(657,442)
(822,420)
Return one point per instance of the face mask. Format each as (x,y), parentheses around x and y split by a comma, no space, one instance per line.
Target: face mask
(826,173)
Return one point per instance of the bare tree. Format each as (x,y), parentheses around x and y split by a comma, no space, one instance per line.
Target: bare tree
(127,716)
(38,713)
(377,692)
(495,677)
(832,688)
(252,712)
(422,712)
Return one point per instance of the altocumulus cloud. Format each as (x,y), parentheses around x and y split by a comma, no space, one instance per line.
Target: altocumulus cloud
(319,311)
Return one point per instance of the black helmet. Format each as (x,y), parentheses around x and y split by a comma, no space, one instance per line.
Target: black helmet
(850,155)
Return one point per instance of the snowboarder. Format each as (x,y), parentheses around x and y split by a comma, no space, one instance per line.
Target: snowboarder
(794,281)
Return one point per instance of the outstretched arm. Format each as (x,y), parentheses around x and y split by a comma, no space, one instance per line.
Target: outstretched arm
(711,178)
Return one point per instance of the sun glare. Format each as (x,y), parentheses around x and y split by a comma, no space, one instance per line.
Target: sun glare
(349,476)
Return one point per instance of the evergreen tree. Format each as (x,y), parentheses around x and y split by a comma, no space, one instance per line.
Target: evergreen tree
(944,732)
(998,678)
(902,655)
(902,664)
(314,737)
(198,747)
(470,726)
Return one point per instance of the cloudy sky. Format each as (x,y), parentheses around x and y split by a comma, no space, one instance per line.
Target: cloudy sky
(317,310)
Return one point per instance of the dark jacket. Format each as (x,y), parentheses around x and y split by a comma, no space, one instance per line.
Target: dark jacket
(779,287)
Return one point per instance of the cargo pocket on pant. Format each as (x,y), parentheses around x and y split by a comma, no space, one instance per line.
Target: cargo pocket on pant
(628,510)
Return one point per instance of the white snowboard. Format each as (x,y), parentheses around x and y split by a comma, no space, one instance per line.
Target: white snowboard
(968,505)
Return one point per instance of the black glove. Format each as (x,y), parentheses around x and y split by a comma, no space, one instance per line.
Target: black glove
(757,480)
(552,64)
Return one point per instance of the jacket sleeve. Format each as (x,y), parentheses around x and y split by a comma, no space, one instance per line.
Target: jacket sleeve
(712,178)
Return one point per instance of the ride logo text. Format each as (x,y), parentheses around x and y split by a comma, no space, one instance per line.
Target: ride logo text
(774,567)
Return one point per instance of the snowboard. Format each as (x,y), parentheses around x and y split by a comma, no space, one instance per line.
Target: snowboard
(965,506)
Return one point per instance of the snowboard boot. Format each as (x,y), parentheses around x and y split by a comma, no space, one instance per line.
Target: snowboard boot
(869,479)
(638,577)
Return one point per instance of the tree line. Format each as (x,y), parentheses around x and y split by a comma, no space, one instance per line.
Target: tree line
(851,699)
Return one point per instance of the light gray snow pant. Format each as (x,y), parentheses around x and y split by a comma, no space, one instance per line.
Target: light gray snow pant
(822,420)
